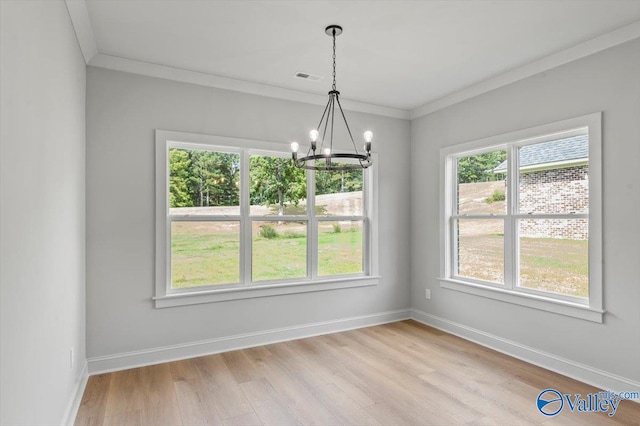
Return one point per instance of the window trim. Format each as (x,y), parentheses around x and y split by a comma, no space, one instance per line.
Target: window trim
(592,310)
(166,297)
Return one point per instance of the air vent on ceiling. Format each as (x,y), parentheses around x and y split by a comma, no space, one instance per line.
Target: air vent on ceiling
(305,76)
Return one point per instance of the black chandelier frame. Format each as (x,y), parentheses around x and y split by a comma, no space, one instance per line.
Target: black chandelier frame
(325,159)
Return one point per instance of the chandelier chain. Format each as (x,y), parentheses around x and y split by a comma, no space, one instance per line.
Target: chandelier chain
(334,59)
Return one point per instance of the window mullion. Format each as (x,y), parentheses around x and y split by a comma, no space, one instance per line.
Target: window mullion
(339,218)
(511,251)
(453,235)
(553,216)
(245,222)
(366,225)
(453,209)
(479,216)
(167,215)
(167,251)
(312,227)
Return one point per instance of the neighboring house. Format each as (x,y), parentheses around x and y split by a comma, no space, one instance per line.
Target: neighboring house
(554,178)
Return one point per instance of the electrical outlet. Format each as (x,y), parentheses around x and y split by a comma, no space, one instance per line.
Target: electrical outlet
(71,357)
(427,293)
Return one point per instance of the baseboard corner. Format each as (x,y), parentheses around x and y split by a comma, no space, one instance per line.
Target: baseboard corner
(74,403)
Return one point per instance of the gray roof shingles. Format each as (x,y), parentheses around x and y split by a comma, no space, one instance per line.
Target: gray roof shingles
(573,148)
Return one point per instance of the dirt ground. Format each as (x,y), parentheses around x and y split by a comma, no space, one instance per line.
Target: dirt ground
(472,200)
(345,204)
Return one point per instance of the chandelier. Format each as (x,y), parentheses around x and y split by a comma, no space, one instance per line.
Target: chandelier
(324,160)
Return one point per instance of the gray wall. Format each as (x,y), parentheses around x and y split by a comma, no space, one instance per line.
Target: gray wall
(608,81)
(42,211)
(122,112)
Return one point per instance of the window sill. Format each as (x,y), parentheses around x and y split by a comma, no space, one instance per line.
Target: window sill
(264,290)
(523,299)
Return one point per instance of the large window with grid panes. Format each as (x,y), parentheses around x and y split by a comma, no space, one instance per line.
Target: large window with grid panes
(521,217)
(236,215)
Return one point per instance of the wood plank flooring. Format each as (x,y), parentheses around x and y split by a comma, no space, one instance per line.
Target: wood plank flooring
(399,373)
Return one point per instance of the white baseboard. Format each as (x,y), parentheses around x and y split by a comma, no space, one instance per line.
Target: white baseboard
(74,404)
(123,361)
(584,373)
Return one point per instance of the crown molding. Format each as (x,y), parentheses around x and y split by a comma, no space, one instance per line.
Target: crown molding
(84,33)
(82,26)
(203,79)
(605,41)
(86,39)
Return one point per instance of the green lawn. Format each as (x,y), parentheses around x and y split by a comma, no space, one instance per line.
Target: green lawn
(284,256)
(205,253)
(339,253)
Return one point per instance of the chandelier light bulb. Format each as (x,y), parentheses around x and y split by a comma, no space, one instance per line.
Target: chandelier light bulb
(327,151)
(313,135)
(368,136)
(295,146)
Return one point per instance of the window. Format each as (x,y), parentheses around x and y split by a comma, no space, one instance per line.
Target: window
(521,218)
(235,219)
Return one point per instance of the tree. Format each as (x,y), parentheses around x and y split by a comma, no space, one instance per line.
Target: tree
(479,168)
(201,175)
(214,178)
(203,178)
(276,180)
(206,178)
(226,179)
(179,165)
(332,182)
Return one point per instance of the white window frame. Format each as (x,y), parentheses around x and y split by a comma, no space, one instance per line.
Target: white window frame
(590,309)
(165,296)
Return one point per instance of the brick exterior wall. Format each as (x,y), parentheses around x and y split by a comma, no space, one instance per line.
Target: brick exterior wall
(555,191)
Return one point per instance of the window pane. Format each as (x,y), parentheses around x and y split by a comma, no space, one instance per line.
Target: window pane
(482,183)
(339,193)
(554,255)
(481,249)
(203,182)
(279,250)
(277,187)
(204,253)
(554,176)
(340,247)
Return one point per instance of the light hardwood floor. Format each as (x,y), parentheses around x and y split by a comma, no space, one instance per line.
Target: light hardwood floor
(400,373)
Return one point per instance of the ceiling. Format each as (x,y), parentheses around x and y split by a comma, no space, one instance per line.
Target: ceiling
(398,54)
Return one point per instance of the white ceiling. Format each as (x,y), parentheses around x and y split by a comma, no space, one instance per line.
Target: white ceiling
(399,54)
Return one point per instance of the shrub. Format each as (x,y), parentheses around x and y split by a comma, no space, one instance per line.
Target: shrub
(268,232)
(337,228)
(496,196)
